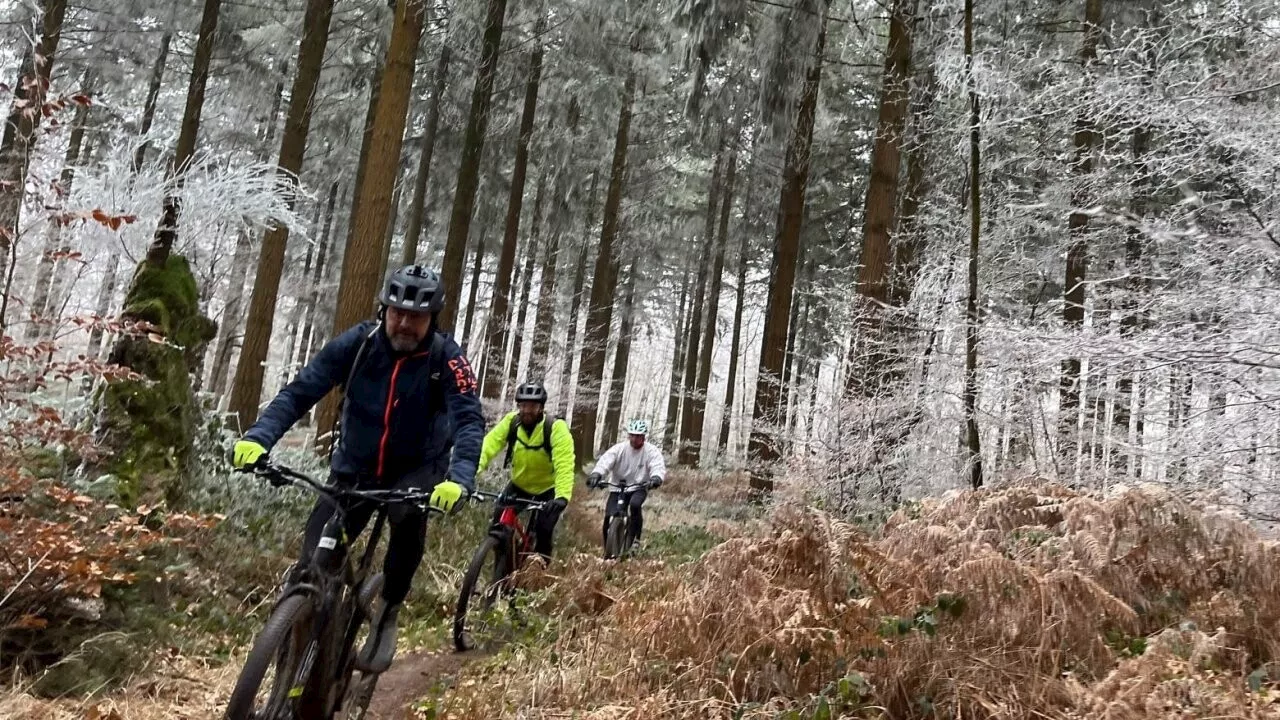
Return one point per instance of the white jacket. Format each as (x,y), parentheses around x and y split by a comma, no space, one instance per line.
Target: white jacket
(630,467)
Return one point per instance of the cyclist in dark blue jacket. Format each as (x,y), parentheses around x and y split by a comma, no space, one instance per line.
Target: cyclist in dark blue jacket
(409,396)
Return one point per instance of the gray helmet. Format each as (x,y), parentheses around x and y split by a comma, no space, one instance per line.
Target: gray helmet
(531,391)
(415,288)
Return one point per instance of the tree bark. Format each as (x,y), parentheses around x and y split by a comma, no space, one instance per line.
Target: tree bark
(228,329)
(167,229)
(307,347)
(713,313)
(102,308)
(568,391)
(246,391)
(545,313)
(363,261)
(418,203)
(464,198)
(526,282)
(468,331)
(670,433)
(603,285)
(731,388)
(25,115)
(499,310)
(149,107)
(687,453)
(795,177)
(622,359)
(1078,248)
(972,440)
(866,369)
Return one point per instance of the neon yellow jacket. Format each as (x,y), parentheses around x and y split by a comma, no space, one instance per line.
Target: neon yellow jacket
(531,469)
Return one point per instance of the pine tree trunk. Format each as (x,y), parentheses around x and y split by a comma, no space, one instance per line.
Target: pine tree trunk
(464,198)
(670,433)
(149,107)
(293,330)
(603,286)
(545,313)
(731,388)
(568,391)
(189,131)
(687,453)
(1131,321)
(363,261)
(231,325)
(713,314)
(468,331)
(866,371)
(19,137)
(972,440)
(1078,247)
(499,310)
(418,203)
(306,346)
(246,391)
(795,178)
(521,309)
(392,216)
(622,359)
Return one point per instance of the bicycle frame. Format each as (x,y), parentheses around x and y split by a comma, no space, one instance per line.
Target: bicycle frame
(508,529)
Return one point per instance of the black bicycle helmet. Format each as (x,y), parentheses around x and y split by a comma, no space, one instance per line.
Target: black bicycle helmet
(415,288)
(531,391)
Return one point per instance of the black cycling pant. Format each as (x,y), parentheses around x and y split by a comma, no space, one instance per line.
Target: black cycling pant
(632,501)
(404,547)
(541,524)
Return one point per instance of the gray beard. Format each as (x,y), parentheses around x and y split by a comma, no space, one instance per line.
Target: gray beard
(402,343)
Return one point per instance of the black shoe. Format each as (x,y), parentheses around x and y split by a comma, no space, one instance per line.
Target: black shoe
(380,648)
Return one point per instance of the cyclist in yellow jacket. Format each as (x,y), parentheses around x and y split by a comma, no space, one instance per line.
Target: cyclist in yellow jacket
(541,461)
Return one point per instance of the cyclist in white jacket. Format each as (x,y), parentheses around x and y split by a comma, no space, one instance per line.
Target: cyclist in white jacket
(636,466)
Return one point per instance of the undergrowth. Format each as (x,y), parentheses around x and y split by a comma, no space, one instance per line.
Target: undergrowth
(1031,601)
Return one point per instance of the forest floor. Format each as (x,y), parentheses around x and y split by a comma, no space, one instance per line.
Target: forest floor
(1027,601)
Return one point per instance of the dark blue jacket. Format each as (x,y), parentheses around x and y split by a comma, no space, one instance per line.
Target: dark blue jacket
(402,411)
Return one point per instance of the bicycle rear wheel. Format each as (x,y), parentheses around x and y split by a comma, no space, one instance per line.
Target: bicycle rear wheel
(616,538)
(281,643)
(478,593)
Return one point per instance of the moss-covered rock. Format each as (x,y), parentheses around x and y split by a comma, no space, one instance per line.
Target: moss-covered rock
(148,426)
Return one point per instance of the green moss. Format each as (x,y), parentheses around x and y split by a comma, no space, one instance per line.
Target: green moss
(149,425)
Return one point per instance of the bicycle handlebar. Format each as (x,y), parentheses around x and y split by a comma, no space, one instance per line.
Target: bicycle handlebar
(270,471)
(486,496)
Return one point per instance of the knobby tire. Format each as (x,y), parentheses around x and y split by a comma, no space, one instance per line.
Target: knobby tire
(491,547)
(268,648)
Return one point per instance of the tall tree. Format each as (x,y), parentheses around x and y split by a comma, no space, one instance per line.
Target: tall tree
(671,432)
(567,391)
(713,312)
(1083,138)
(499,307)
(521,308)
(246,391)
(881,202)
(25,115)
(418,203)
(795,178)
(149,106)
(972,441)
(364,260)
(694,331)
(622,359)
(604,283)
(545,314)
(464,197)
(730,393)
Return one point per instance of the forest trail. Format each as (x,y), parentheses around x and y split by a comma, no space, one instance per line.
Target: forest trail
(411,676)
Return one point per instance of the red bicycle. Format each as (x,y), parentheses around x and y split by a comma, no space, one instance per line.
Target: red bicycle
(510,546)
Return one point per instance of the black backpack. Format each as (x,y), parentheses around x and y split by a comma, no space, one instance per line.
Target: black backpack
(548,422)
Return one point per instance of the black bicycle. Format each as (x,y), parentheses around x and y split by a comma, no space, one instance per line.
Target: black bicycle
(322,608)
(509,545)
(617,541)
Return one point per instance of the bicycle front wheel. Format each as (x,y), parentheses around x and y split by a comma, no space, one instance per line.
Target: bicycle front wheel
(616,538)
(478,592)
(281,644)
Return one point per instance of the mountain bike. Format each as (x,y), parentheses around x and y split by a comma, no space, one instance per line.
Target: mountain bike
(617,541)
(312,630)
(509,545)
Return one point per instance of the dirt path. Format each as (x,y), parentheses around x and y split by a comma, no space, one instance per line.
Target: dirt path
(412,677)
